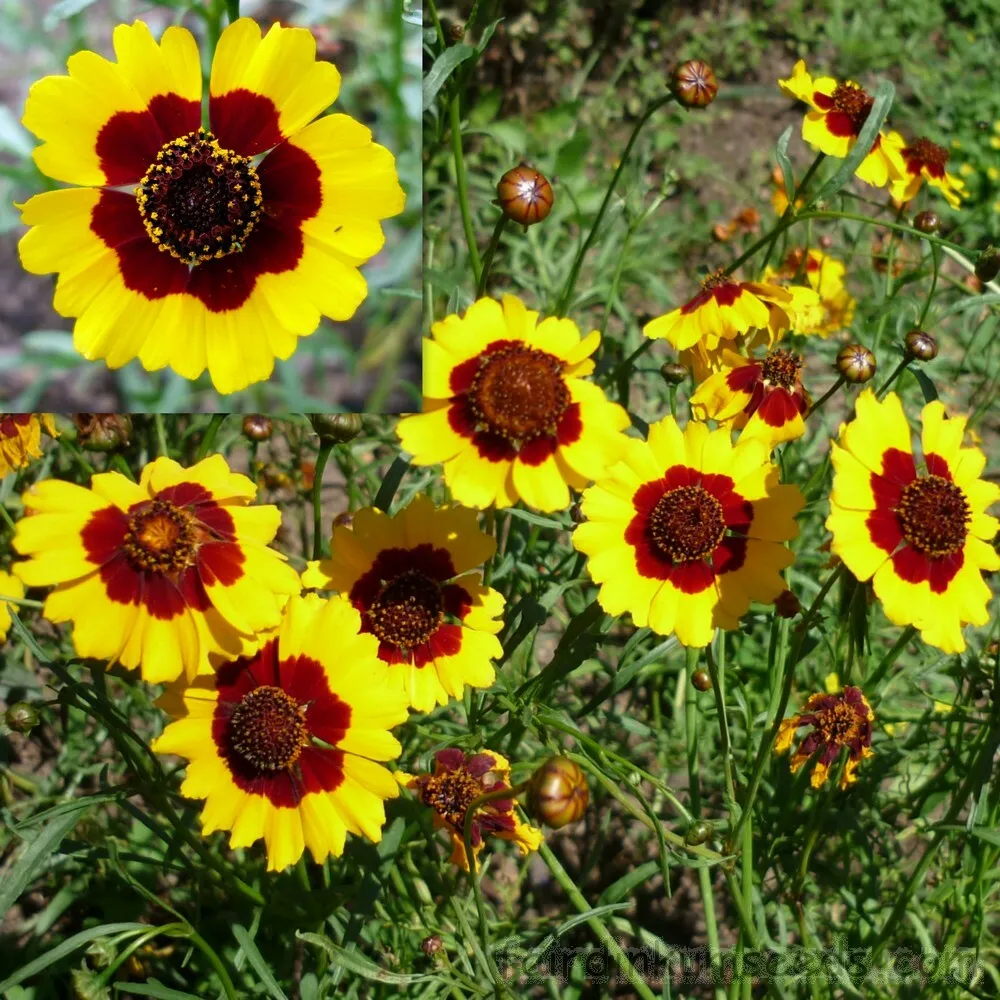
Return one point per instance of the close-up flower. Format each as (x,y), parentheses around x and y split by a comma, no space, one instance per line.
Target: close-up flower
(414,578)
(839,722)
(508,409)
(455,783)
(687,530)
(161,574)
(762,397)
(201,247)
(283,744)
(21,439)
(10,586)
(915,525)
(926,161)
(838,112)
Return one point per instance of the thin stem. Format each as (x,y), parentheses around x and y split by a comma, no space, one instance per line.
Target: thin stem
(491,249)
(161,437)
(118,461)
(936,258)
(7,519)
(637,353)
(462,184)
(826,395)
(789,212)
(324,453)
(567,294)
(898,227)
(209,439)
(233,10)
(871,682)
(896,372)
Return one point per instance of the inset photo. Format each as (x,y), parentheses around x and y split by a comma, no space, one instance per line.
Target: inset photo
(209,206)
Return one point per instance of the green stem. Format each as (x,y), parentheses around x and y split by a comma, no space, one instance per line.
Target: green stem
(936,258)
(18,780)
(567,294)
(220,970)
(826,395)
(118,461)
(321,459)
(462,184)
(871,682)
(233,10)
(789,212)
(209,439)
(896,372)
(491,250)
(7,519)
(898,227)
(161,437)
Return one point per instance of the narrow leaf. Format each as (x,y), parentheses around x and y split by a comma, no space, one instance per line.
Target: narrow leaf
(358,964)
(256,960)
(152,988)
(443,67)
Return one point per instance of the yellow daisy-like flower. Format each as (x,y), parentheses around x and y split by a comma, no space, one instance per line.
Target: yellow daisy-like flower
(212,256)
(21,439)
(839,112)
(10,586)
(839,721)
(922,536)
(832,310)
(413,579)
(726,308)
(282,744)
(456,782)
(158,574)
(925,161)
(687,530)
(508,410)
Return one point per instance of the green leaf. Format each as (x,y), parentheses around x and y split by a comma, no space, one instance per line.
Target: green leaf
(926,385)
(443,67)
(571,156)
(383,499)
(352,961)
(623,886)
(152,988)
(533,518)
(257,962)
(63,9)
(781,155)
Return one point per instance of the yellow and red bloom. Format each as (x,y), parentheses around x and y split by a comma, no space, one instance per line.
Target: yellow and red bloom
(832,126)
(762,397)
(840,721)
(687,530)
(456,782)
(508,410)
(413,578)
(213,257)
(723,310)
(21,439)
(833,310)
(283,743)
(10,586)
(926,161)
(921,535)
(159,574)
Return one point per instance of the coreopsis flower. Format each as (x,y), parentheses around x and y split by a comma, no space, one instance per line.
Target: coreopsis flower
(10,586)
(724,309)
(916,527)
(832,126)
(413,578)
(21,439)
(456,782)
(762,397)
(508,410)
(182,246)
(687,530)
(283,743)
(926,161)
(161,574)
(839,721)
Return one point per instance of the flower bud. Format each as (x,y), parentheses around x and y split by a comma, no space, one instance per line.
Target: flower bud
(673,373)
(102,431)
(431,945)
(927,222)
(525,195)
(694,84)
(698,832)
(21,717)
(336,428)
(257,427)
(988,265)
(455,32)
(558,793)
(856,363)
(576,514)
(787,604)
(702,680)
(921,346)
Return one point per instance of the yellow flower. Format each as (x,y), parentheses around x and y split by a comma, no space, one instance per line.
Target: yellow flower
(182,246)
(926,161)
(832,683)
(10,586)
(283,744)
(831,309)
(20,439)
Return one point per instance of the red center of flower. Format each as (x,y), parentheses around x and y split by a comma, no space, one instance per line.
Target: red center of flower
(928,154)
(934,516)
(838,724)
(519,393)
(161,538)
(199,201)
(853,101)
(268,729)
(450,793)
(407,610)
(686,523)
(781,368)
(717,279)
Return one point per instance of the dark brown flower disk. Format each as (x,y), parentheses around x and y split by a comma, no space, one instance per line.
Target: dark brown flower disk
(694,84)
(558,794)
(525,195)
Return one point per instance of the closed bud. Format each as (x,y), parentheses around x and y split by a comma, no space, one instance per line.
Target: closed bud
(787,604)
(988,265)
(525,195)
(576,514)
(921,346)
(558,793)
(673,373)
(927,222)
(257,427)
(694,84)
(856,363)
(702,680)
(455,32)
(103,431)
(698,832)
(431,945)
(21,717)
(336,428)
